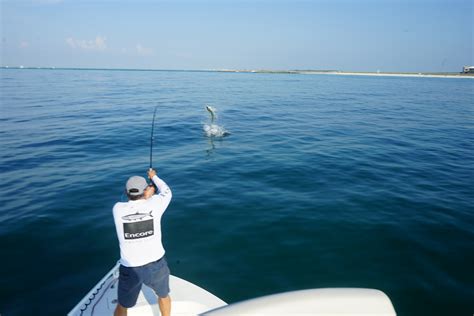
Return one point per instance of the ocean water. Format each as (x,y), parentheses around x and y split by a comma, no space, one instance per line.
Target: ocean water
(324,181)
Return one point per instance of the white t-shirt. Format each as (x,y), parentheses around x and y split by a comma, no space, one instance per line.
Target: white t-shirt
(138,225)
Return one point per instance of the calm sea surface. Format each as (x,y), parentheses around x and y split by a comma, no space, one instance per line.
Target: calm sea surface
(325,181)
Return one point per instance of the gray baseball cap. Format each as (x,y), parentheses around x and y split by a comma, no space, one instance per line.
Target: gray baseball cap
(136,185)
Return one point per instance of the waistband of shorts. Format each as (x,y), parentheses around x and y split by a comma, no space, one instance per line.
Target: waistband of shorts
(153,262)
(146,264)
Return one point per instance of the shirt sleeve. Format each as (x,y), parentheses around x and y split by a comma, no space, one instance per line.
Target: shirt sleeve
(165,191)
(118,224)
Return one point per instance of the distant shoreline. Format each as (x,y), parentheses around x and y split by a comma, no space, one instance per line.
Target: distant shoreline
(356,73)
(417,75)
(263,71)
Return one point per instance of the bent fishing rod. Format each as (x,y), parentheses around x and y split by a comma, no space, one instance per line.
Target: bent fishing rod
(152,137)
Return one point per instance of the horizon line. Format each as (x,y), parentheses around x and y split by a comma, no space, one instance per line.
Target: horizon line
(268,71)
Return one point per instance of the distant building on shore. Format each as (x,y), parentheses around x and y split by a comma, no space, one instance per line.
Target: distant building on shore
(468,69)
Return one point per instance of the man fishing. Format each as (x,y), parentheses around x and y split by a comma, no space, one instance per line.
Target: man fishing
(142,260)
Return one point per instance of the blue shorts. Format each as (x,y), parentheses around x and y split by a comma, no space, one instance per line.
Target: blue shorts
(155,275)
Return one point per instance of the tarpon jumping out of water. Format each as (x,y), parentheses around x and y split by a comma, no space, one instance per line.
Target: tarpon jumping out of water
(213,129)
(212,111)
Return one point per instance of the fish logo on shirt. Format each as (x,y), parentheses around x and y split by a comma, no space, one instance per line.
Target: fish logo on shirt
(136,216)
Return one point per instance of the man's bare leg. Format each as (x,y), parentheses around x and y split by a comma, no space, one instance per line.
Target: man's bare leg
(120,310)
(165,305)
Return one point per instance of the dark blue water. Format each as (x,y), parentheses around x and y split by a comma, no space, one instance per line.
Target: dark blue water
(325,181)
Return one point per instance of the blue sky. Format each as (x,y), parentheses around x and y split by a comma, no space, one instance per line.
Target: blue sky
(358,35)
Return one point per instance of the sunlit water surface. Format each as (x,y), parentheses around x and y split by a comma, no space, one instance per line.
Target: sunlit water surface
(323,181)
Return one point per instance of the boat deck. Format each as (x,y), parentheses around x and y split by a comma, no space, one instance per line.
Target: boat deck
(187,299)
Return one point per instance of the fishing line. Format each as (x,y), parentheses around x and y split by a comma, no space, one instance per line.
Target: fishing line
(152,137)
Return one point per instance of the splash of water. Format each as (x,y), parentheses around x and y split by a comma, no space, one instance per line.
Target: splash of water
(212,129)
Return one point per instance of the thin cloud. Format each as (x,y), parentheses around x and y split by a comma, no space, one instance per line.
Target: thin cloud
(143,51)
(24,44)
(47,1)
(137,50)
(184,55)
(97,44)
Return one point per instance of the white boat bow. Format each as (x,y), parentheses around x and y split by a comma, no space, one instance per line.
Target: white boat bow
(190,299)
(187,299)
